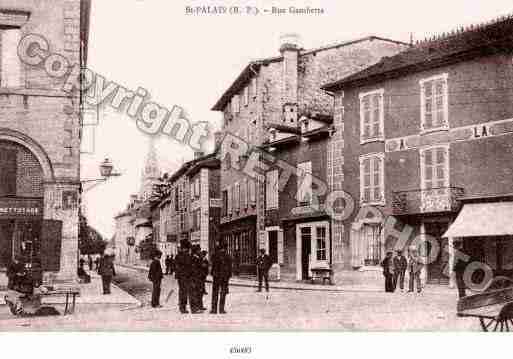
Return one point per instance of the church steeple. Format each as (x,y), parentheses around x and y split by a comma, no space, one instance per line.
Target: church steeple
(150,172)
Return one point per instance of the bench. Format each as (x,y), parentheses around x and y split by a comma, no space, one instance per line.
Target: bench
(71,295)
(23,304)
(322,273)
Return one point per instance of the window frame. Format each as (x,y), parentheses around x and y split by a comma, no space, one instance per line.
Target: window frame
(422,154)
(301,190)
(7,68)
(373,138)
(422,84)
(377,232)
(235,104)
(271,198)
(372,201)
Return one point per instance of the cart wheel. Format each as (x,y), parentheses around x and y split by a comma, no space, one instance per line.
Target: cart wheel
(494,325)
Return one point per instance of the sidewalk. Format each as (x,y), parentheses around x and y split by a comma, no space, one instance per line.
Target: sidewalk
(91,296)
(244,282)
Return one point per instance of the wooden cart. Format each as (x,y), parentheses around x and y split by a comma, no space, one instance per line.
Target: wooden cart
(493,307)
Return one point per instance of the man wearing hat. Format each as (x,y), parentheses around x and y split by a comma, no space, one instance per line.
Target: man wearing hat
(183,275)
(155,276)
(400,265)
(388,272)
(196,287)
(221,273)
(414,268)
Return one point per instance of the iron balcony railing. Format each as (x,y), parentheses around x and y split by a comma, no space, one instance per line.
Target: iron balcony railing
(432,200)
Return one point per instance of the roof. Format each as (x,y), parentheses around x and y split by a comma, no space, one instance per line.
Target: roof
(442,50)
(283,128)
(254,66)
(209,161)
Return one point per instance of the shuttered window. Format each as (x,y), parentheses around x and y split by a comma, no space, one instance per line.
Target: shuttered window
(434,102)
(371,116)
(272,189)
(434,167)
(372,179)
(304,185)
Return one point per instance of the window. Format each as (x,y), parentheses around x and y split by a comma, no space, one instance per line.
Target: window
(434,169)
(321,243)
(304,185)
(434,103)
(246,96)
(252,188)
(225,203)
(196,220)
(235,104)
(177,199)
(372,244)
(371,116)
(10,65)
(244,194)
(372,179)
(254,88)
(271,187)
(236,196)
(230,198)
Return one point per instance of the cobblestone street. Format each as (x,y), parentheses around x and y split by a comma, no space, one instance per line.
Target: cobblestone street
(283,310)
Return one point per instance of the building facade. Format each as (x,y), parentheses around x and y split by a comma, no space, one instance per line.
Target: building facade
(40,137)
(278,90)
(420,131)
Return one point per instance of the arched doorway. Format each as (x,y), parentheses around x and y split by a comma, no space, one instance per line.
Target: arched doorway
(21,203)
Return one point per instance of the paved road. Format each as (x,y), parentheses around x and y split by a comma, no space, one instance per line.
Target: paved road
(281,310)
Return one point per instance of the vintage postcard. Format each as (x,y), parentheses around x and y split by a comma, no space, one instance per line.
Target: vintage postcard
(256,166)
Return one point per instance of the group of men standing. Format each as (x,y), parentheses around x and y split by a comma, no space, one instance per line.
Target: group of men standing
(395,268)
(191,268)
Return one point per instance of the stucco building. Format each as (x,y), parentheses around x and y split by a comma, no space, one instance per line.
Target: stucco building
(40,137)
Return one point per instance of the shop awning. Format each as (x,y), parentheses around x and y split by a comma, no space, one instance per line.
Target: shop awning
(483,219)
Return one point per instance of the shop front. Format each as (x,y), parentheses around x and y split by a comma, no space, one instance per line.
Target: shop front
(241,239)
(484,227)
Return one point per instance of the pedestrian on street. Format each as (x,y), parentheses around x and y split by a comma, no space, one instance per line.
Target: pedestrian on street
(196,288)
(106,271)
(236,263)
(263,264)
(97,264)
(90,262)
(414,268)
(400,265)
(205,265)
(168,262)
(459,270)
(183,275)
(388,272)
(81,263)
(15,273)
(155,276)
(221,273)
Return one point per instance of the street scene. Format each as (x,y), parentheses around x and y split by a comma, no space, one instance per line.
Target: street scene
(293,181)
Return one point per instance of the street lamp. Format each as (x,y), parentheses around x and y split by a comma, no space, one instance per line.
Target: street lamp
(106,171)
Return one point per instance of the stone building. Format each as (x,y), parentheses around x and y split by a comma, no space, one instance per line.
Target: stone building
(40,136)
(278,91)
(424,132)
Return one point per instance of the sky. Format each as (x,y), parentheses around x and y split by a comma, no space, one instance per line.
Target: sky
(190,60)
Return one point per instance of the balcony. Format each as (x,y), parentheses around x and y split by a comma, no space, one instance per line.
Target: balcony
(423,201)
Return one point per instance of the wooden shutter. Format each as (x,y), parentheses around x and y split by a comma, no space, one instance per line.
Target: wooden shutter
(8,171)
(51,243)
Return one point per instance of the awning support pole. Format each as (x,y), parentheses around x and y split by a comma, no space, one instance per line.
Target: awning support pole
(451,262)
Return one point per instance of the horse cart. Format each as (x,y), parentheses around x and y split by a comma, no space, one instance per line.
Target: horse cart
(493,307)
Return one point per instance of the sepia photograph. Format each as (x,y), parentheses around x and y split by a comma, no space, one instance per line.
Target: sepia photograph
(257,167)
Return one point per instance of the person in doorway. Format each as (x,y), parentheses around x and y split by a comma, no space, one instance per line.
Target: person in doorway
(155,276)
(106,271)
(263,264)
(221,273)
(388,272)
(400,265)
(414,268)
(183,275)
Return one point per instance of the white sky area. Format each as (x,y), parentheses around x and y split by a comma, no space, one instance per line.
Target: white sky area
(190,61)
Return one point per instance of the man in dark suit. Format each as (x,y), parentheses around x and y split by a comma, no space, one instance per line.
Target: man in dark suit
(263,264)
(155,276)
(196,287)
(183,275)
(400,265)
(388,272)
(221,273)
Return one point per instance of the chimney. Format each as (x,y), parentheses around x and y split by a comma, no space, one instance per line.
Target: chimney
(198,154)
(289,49)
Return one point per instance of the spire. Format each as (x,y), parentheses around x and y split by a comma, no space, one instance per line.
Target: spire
(151,171)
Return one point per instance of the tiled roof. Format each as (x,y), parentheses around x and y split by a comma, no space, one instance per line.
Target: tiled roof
(254,66)
(474,41)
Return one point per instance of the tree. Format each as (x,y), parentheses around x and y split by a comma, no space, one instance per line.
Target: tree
(89,240)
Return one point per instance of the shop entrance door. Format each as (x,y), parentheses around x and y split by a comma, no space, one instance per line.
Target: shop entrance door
(438,270)
(19,237)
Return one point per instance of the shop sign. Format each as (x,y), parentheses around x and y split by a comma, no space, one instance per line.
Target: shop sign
(11,208)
